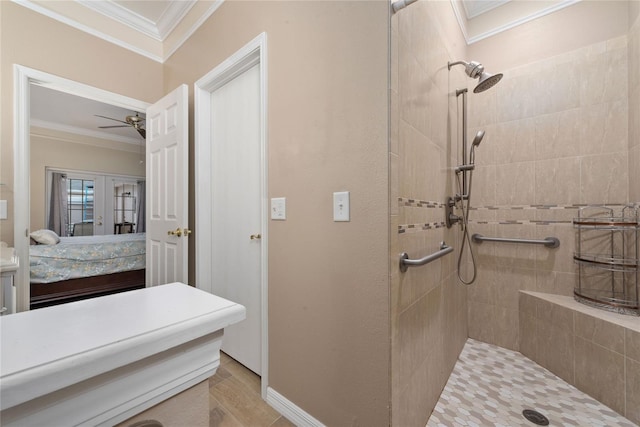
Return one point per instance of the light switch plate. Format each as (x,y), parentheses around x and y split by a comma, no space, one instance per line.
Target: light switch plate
(279,208)
(341,206)
(3,209)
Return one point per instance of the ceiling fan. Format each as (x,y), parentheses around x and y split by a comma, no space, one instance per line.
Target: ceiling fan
(133,121)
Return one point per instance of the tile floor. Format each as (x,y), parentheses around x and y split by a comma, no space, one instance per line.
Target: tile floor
(491,386)
(234,399)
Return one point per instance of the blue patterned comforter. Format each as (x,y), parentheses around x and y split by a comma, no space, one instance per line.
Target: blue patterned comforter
(85,256)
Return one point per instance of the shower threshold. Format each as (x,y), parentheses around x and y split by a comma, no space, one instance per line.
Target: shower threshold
(492,386)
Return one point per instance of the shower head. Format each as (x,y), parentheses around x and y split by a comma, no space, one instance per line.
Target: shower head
(475,70)
(487,81)
(478,139)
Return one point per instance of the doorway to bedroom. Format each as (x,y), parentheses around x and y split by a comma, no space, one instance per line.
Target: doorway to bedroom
(80,158)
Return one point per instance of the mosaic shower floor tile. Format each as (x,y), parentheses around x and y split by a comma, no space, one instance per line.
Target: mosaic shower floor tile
(491,386)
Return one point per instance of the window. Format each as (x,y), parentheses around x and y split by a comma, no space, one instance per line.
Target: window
(124,207)
(99,204)
(80,206)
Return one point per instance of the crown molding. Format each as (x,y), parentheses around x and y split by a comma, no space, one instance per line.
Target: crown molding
(123,15)
(85,28)
(201,20)
(507,25)
(172,17)
(159,33)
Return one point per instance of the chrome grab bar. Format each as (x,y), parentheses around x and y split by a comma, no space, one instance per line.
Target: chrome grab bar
(405,262)
(550,242)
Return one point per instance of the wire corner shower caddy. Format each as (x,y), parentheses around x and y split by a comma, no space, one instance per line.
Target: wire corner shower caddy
(607,258)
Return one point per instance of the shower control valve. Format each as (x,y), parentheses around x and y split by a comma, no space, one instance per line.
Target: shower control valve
(450,217)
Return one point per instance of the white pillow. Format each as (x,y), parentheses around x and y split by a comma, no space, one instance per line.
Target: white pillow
(45,237)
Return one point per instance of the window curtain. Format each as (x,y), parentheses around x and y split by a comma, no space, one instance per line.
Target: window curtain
(140,207)
(58,214)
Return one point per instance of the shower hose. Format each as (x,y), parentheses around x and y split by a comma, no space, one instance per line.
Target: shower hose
(464,224)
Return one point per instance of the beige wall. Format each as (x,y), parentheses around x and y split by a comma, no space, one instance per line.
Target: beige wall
(73,152)
(34,41)
(327,131)
(428,303)
(556,136)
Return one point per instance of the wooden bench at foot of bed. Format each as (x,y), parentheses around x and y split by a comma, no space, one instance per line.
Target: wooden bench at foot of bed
(46,294)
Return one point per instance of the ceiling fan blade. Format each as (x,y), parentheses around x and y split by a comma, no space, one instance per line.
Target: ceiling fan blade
(110,118)
(142,132)
(117,126)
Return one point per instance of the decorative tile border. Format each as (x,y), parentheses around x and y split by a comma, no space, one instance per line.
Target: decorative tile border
(413,228)
(543,207)
(522,222)
(404,201)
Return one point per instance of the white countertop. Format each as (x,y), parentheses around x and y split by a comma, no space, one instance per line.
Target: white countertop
(50,348)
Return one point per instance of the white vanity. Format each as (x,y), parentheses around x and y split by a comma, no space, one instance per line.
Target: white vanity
(103,360)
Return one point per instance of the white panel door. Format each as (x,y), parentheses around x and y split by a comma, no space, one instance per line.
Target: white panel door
(236,212)
(167,193)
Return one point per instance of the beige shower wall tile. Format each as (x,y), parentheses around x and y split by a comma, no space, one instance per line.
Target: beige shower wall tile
(634,117)
(558,259)
(556,344)
(394,52)
(510,107)
(421,167)
(556,215)
(601,332)
(483,186)
(481,321)
(485,253)
(439,126)
(600,373)
(634,57)
(394,113)
(634,174)
(484,289)
(517,255)
(555,282)
(508,284)
(557,181)
(515,184)
(415,90)
(515,141)
(632,343)
(527,328)
(603,128)
(632,391)
(482,108)
(507,327)
(557,134)
(394,191)
(394,272)
(607,79)
(604,178)
(556,86)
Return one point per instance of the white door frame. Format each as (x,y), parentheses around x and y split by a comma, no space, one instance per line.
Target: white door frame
(254,52)
(23,77)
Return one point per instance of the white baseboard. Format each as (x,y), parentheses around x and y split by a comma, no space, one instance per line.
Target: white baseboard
(293,413)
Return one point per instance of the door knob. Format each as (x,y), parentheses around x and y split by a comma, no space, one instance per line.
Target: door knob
(255,236)
(178,232)
(186,232)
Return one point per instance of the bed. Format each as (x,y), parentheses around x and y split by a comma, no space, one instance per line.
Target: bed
(86,266)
